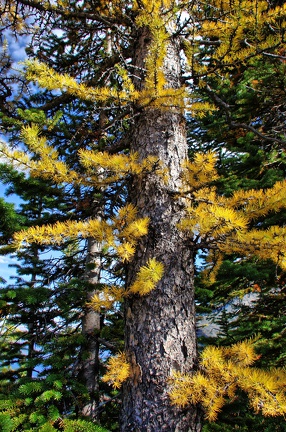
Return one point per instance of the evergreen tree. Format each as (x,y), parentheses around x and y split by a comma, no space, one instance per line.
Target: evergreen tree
(246,299)
(172,209)
(41,334)
(41,300)
(66,127)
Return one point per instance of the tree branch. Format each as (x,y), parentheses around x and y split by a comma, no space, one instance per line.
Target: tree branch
(73,14)
(226,108)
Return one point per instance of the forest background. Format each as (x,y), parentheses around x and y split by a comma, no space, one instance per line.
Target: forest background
(75,118)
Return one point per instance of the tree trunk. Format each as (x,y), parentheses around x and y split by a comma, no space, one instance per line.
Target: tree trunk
(91,330)
(160,327)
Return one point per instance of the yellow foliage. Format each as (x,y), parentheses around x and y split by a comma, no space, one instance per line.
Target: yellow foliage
(242,353)
(212,221)
(60,231)
(9,12)
(200,171)
(266,390)
(200,109)
(256,203)
(145,281)
(154,93)
(212,357)
(48,166)
(211,217)
(107,233)
(106,298)
(128,230)
(181,391)
(147,278)
(222,371)
(31,136)
(121,235)
(51,80)
(241,27)
(223,223)
(125,251)
(103,160)
(135,229)
(126,215)
(214,261)
(266,244)
(242,21)
(155,6)
(102,167)
(154,16)
(118,370)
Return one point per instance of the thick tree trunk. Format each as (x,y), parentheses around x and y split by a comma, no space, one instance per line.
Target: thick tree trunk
(160,327)
(91,330)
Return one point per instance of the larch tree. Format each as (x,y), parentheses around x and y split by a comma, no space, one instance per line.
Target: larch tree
(158,69)
(40,332)
(45,302)
(246,299)
(72,345)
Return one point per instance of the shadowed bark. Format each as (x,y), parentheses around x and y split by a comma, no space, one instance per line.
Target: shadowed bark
(91,330)
(160,327)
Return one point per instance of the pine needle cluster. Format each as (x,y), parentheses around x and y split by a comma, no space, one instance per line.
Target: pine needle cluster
(118,370)
(229,224)
(145,281)
(222,372)
(101,168)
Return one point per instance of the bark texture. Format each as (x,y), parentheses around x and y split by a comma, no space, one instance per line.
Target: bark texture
(91,330)
(160,327)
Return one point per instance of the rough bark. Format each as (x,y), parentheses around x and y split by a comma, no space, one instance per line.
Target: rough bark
(91,330)
(160,327)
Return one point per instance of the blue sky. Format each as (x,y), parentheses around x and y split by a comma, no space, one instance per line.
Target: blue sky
(17,47)
(5,271)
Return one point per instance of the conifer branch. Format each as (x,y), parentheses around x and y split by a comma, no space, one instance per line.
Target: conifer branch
(78,14)
(222,372)
(227,110)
